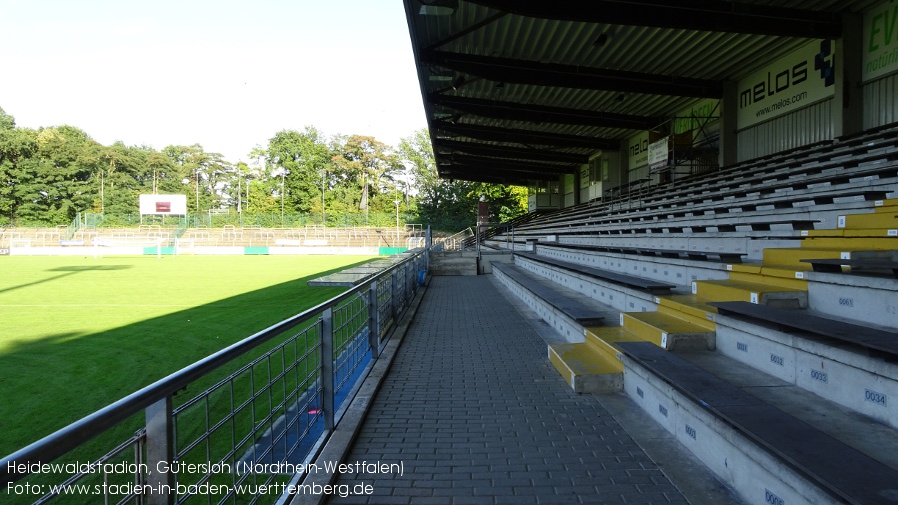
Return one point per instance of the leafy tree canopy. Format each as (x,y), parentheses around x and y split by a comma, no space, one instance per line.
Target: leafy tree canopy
(49,175)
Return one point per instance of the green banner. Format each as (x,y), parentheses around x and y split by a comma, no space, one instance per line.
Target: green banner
(880,53)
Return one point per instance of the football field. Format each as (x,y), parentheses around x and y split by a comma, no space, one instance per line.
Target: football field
(77,333)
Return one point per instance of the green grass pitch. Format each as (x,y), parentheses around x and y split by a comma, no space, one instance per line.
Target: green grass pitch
(77,333)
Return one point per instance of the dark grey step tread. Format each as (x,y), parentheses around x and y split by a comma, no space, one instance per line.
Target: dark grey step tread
(733,256)
(617,278)
(832,265)
(833,465)
(578,311)
(871,338)
(871,437)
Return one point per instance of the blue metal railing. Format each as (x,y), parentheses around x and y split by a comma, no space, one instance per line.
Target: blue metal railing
(261,409)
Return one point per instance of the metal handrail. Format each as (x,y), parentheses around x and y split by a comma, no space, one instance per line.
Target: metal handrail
(68,438)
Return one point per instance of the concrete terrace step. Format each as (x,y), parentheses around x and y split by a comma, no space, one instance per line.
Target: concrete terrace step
(863,265)
(847,242)
(862,233)
(689,307)
(886,204)
(730,290)
(570,306)
(863,433)
(667,331)
(604,339)
(784,276)
(791,257)
(585,369)
(773,442)
(845,253)
(631,281)
(874,220)
(873,339)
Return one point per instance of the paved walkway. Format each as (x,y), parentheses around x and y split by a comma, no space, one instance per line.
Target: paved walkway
(475,414)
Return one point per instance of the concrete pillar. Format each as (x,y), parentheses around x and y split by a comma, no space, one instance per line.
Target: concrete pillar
(848,102)
(728,153)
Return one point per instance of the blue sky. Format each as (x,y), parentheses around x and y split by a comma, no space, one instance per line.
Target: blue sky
(226,74)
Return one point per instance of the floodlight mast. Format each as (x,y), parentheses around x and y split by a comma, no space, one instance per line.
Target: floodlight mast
(397,219)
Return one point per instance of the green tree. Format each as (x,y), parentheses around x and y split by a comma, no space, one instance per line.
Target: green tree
(299,160)
(449,205)
(52,182)
(160,175)
(193,166)
(7,122)
(16,146)
(443,204)
(361,161)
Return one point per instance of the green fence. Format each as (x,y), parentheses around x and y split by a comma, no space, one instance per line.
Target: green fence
(244,219)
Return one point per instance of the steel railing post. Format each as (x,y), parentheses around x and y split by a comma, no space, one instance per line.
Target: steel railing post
(327,368)
(373,321)
(394,288)
(406,286)
(160,449)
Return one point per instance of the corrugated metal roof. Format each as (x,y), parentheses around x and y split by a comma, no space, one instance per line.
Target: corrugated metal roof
(516,47)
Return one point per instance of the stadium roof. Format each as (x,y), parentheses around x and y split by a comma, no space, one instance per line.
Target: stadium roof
(523,90)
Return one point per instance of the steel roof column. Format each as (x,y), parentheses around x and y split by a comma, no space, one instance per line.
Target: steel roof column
(848,102)
(728,152)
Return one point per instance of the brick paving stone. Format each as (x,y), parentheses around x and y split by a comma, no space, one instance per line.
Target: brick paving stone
(478,416)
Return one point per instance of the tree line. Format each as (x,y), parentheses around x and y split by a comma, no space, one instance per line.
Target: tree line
(51,174)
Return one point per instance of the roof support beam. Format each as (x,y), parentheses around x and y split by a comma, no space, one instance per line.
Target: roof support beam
(541,113)
(510,70)
(494,151)
(702,15)
(490,174)
(521,137)
(518,166)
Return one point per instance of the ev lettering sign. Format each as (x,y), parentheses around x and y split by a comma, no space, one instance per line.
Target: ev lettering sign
(700,115)
(880,40)
(800,79)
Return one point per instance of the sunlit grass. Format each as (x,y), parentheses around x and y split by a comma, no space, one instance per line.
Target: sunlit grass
(79,333)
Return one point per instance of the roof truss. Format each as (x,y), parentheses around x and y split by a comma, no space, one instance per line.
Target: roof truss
(704,15)
(443,129)
(509,70)
(497,151)
(541,113)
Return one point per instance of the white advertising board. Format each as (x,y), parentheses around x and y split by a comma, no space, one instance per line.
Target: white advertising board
(658,154)
(163,205)
(880,48)
(802,78)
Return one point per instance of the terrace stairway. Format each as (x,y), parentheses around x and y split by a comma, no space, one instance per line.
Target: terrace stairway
(686,321)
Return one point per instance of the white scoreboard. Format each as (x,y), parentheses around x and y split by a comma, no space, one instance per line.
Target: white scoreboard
(163,205)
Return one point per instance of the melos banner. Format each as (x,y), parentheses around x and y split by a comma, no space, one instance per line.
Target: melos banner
(793,82)
(880,41)
(638,150)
